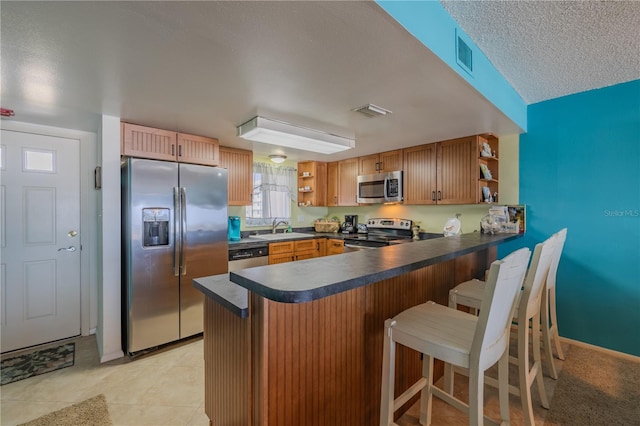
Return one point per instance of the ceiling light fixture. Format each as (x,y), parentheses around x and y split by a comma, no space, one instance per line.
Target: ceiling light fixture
(276,158)
(260,129)
(372,111)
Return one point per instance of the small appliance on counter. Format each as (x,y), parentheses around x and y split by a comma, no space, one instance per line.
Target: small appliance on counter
(350,224)
(233,230)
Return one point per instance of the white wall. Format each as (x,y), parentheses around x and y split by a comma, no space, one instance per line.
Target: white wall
(109,320)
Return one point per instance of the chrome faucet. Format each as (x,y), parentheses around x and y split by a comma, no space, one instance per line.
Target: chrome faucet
(275,225)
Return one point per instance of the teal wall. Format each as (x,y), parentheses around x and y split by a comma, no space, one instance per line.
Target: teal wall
(429,22)
(580,169)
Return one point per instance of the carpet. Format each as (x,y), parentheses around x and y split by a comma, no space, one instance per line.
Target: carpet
(595,388)
(37,362)
(92,412)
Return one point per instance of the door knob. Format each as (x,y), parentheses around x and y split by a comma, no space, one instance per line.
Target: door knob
(72,233)
(70,248)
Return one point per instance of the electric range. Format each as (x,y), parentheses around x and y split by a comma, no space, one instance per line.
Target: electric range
(381,232)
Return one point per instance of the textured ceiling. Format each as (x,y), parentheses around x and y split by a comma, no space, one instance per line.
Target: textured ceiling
(548,49)
(205,67)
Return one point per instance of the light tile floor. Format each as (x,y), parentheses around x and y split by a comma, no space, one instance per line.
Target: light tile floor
(166,387)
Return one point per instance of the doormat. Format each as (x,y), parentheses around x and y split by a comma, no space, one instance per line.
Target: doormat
(37,362)
(92,412)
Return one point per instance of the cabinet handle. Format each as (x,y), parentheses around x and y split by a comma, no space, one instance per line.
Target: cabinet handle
(381,168)
(433,195)
(439,195)
(173,150)
(179,150)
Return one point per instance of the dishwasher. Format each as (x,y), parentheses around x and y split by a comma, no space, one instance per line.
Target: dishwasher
(243,258)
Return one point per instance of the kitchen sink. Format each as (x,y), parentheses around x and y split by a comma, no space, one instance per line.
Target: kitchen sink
(282,236)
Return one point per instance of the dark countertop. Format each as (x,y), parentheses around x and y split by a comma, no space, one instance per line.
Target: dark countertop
(312,279)
(249,242)
(230,295)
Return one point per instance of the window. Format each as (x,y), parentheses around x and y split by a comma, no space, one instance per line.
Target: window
(273,191)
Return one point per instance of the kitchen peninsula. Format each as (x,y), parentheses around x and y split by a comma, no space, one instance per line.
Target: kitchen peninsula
(308,348)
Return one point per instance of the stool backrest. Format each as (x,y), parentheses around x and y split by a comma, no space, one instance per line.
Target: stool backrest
(498,304)
(553,269)
(536,276)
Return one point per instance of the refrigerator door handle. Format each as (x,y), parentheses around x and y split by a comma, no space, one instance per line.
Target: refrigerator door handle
(177,234)
(183,230)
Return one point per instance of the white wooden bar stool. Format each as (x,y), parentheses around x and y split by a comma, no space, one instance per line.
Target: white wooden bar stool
(473,342)
(527,309)
(548,316)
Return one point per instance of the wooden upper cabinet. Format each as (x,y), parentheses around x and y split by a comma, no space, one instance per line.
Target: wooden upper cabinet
(457,171)
(148,142)
(198,150)
(389,161)
(368,164)
(332,184)
(488,158)
(239,165)
(312,183)
(448,172)
(420,174)
(348,182)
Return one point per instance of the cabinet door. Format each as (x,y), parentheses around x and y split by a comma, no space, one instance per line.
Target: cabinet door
(347,182)
(457,171)
(368,164)
(390,161)
(335,246)
(198,150)
(147,142)
(321,247)
(332,184)
(239,165)
(281,252)
(308,254)
(420,174)
(280,258)
(304,245)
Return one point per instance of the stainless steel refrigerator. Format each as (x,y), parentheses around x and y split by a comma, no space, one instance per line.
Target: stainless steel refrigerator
(174,229)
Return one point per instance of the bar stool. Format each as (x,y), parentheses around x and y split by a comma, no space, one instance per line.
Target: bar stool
(527,309)
(548,316)
(473,342)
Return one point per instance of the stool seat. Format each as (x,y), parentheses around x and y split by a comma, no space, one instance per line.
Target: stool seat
(438,330)
(468,293)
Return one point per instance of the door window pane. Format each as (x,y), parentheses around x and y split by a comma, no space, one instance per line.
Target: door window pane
(40,161)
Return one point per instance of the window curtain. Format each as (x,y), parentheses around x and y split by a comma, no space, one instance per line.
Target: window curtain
(274,188)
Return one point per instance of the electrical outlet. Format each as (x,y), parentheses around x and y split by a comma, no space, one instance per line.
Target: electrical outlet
(300,218)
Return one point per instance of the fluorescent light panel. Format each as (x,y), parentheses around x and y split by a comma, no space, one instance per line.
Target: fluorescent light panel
(260,129)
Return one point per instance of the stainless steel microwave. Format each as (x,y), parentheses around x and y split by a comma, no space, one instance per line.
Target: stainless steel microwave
(380,188)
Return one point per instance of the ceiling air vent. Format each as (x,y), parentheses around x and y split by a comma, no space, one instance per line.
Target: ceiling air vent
(464,54)
(372,111)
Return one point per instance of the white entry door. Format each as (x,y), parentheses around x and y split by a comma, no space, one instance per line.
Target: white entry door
(40,233)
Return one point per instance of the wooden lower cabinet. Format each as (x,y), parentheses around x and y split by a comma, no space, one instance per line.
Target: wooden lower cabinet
(320,362)
(281,252)
(335,246)
(296,250)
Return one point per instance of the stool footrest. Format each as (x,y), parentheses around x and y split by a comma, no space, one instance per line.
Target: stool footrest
(409,393)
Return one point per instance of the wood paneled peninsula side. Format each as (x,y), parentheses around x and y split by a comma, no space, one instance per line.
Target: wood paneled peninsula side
(307,348)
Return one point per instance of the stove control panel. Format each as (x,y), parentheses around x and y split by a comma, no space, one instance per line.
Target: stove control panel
(389,223)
